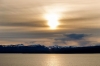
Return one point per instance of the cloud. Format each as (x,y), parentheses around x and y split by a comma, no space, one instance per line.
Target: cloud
(83,17)
(25,20)
(75,36)
(72,37)
(24,24)
(75,40)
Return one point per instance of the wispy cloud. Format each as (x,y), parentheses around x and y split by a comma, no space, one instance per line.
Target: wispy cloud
(23,21)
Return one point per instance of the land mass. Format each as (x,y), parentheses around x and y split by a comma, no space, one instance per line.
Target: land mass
(20,48)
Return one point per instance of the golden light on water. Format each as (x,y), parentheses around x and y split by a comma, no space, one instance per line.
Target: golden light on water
(53,60)
(52,19)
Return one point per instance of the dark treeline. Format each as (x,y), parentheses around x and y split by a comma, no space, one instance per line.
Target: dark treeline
(20,48)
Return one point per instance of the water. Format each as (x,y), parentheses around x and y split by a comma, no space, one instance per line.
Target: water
(49,59)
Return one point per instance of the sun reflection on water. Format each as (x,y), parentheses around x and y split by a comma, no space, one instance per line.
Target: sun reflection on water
(53,60)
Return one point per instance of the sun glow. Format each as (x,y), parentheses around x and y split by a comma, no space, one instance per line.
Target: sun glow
(52,20)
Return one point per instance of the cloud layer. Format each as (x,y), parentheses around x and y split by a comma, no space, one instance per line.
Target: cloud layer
(23,21)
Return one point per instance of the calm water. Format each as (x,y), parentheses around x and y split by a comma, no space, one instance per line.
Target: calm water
(49,59)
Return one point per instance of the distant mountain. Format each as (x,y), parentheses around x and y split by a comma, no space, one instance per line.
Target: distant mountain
(20,48)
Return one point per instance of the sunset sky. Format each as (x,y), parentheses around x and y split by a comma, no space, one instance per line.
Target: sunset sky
(50,22)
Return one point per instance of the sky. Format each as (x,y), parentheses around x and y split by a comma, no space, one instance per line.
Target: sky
(26,21)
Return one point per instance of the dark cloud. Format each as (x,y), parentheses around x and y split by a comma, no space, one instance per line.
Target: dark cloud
(80,39)
(72,37)
(75,36)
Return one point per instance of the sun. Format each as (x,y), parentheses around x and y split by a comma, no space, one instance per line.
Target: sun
(52,20)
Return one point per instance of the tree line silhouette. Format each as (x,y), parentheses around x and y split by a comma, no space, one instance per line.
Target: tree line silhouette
(20,48)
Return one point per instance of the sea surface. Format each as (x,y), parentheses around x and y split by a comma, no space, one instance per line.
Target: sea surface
(49,59)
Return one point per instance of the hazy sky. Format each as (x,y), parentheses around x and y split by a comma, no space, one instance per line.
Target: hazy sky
(23,21)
